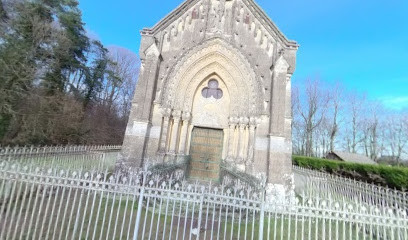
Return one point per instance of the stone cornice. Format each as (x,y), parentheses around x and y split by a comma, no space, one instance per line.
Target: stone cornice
(254,7)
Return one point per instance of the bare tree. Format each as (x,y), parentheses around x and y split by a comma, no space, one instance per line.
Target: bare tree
(107,117)
(336,106)
(354,115)
(395,136)
(311,109)
(372,132)
(322,115)
(126,65)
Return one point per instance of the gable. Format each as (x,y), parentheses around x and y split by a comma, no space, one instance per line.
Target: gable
(240,12)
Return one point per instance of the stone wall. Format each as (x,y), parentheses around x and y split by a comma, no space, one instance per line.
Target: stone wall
(235,43)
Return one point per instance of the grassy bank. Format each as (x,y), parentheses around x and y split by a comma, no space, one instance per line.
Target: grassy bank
(392,177)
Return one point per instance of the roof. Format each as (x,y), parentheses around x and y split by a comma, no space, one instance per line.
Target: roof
(254,8)
(354,157)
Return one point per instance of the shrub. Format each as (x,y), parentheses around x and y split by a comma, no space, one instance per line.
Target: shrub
(392,177)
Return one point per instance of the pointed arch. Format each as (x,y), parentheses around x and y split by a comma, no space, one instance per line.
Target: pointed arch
(214,56)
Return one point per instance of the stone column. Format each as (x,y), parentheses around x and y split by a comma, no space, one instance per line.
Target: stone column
(183,135)
(164,132)
(243,123)
(232,124)
(175,130)
(251,143)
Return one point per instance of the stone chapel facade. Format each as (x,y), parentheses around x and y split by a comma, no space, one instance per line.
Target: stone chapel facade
(215,84)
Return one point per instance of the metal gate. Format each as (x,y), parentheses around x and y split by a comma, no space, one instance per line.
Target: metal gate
(206,154)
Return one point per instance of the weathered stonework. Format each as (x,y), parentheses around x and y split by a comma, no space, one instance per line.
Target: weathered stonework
(234,44)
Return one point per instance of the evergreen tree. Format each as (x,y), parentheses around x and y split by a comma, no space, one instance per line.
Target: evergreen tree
(51,72)
(23,56)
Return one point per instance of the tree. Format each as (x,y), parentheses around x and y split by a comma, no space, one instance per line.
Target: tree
(310,109)
(70,50)
(50,70)
(108,115)
(354,114)
(336,107)
(395,136)
(125,65)
(98,72)
(24,54)
(323,116)
(371,132)
(3,14)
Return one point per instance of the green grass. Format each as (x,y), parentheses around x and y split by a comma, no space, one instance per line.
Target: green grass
(121,214)
(392,177)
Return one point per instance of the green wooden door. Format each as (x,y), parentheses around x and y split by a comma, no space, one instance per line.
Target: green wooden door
(206,153)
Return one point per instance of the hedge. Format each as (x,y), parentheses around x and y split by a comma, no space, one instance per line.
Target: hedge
(392,177)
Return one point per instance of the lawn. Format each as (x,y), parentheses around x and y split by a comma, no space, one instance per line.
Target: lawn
(57,213)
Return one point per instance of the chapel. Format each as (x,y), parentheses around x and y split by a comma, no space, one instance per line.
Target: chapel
(214,85)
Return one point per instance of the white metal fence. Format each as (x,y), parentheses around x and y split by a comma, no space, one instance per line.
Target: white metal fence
(318,184)
(48,203)
(67,157)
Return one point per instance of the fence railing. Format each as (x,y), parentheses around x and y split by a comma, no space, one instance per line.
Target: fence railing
(49,203)
(323,185)
(67,157)
(45,150)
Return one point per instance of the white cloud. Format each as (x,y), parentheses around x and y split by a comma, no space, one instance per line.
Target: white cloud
(396,103)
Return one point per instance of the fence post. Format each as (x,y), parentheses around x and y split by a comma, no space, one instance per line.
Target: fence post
(262,216)
(200,214)
(139,208)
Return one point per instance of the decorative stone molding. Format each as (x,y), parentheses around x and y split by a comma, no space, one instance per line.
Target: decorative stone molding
(176,114)
(152,51)
(288,78)
(241,12)
(233,42)
(186,116)
(214,56)
(243,121)
(251,144)
(233,120)
(281,65)
(166,112)
(164,135)
(174,133)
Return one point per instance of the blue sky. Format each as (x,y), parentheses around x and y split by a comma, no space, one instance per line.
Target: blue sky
(361,43)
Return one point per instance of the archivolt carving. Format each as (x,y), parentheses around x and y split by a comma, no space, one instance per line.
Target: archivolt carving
(239,96)
(214,56)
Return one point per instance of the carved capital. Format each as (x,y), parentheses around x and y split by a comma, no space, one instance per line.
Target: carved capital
(252,121)
(176,115)
(166,112)
(243,121)
(186,116)
(233,120)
